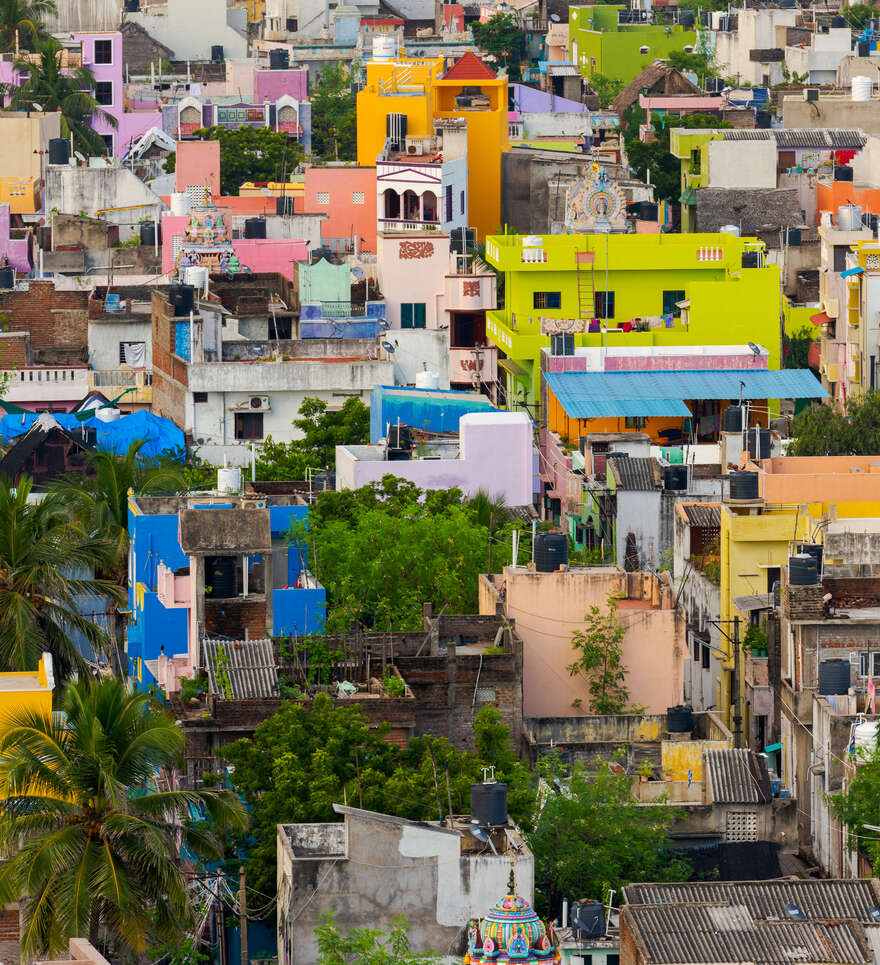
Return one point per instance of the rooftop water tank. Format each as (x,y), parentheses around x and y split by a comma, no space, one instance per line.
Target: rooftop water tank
(865,735)
(679,720)
(551,551)
(489,804)
(383,48)
(849,216)
(675,477)
(427,380)
(743,485)
(730,229)
(229,479)
(861,88)
(179,202)
(802,570)
(834,677)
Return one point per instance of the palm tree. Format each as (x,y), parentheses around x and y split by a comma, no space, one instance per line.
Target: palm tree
(41,553)
(68,91)
(22,20)
(93,844)
(490,512)
(101,503)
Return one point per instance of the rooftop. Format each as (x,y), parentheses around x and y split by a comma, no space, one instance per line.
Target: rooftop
(827,139)
(469,67)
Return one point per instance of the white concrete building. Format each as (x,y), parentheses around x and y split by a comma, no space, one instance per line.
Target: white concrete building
(821,59)
(753,53)
(192,27)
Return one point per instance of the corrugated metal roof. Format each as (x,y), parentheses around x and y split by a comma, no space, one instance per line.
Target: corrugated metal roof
(732,777)
(706,515)
(818,898)
(247,666)
(591,395)
(634,473)
(710,933)
(817,139)
(754,601)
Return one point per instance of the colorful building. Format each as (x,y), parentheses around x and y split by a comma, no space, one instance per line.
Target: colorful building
(635,290)
(861,276)
(608,40)
(347,196)
(29,690)
(404,100)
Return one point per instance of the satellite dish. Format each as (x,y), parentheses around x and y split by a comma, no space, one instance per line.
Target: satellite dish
(555,17)
(383,324)
(482,836)
(79,157)
(358,272)
(389,348)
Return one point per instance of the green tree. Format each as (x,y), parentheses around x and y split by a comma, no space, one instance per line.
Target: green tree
(334,115)
(91,845)
(100,503)
(40,550)
(594,835)
(824,430)
(858,14)
(859,804)
(24,20)
(385,549)
(606,88)
(699,62)
(304,759)
(502,39)
(252,154)
(599,648)
(367,946)
(490,512)
(796,347)
(67,91)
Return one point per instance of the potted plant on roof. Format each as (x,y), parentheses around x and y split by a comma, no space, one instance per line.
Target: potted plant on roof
(755,641)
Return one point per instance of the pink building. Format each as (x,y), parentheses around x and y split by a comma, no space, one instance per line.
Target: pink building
(347,195)
(17,251)
(270,85)
(198,163)
(102,54)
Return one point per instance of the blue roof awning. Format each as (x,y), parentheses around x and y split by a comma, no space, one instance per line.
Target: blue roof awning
(592,395)
(852,271)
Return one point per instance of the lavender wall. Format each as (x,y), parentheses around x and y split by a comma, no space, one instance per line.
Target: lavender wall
(16,251)
(529,100)
(272,84)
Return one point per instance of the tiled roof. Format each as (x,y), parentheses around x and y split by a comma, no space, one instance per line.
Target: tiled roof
(705,515)
(469,67)
(736,776)
(247,665)
(688,933)
(830,898)
(634,473)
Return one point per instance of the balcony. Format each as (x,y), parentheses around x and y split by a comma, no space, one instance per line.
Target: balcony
(470,292)
(38,384)
(113,381)
(394,224)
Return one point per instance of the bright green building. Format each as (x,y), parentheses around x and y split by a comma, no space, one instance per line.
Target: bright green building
(633,290)
(692,149)
(601,45)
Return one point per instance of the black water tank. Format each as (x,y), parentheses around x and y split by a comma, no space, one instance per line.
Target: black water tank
(217,54)
(181,298)
(802,570)
(687,18)
(762,120)
(675,477)
(864,48)
(759,443)
(551,551)
(255,228)
(220,576)
(59,150)
(7,278)
(679,720)
(834,677)
(588,920)
(148,233)
(562,344)
(838,21)
(795,237)
(815,550)
(733,419)
(284,205)
(648,211)
(743,485)
(843,173)
(750,259)
(489,804)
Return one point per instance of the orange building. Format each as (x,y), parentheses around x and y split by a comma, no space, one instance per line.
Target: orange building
(347,195)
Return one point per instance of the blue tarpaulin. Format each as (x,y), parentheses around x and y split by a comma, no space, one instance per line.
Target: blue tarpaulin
(160,435)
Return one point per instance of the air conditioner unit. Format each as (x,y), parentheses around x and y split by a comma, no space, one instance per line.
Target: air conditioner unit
(256,403)
(412,149)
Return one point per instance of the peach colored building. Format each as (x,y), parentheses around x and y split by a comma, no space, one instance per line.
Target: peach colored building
(821,479)
(198,163)
(347,195)
(549,607)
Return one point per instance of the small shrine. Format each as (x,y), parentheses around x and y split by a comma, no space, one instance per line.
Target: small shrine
(206,242)
(511,932)
(595,204)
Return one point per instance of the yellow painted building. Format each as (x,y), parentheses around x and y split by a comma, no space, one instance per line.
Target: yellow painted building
(420,92)
(30,690)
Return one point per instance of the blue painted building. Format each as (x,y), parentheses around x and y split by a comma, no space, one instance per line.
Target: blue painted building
(434,410)
(176,597)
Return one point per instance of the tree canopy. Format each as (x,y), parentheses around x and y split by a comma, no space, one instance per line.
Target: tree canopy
(368,946)
(592,835)
(24,18)
(305,758)
(251,154)
(334,115)
(859,804)
(502,39)
(605,88)
(824,430)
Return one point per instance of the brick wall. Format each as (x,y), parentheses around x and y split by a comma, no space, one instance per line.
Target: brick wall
(10,946)
(53,318)
(804,602)
(13,350)
(230,618)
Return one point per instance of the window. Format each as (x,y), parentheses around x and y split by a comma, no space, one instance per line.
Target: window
(103,51)
(462,202)
(447,207)
(108,143)
(669,300)
(322,197)
(104,92)
(248,425)
(840,257)
(697,645)
(412,315)
(357,197)
(547,299)
(869,658)
(635,422)
(133,354)
(603,304)
(200,397)
(707,658)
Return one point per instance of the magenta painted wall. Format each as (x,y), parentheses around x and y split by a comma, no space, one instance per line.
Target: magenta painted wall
(272,84)
(16,250)
(657,362)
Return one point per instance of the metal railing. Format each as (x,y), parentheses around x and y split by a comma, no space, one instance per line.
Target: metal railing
(342,309)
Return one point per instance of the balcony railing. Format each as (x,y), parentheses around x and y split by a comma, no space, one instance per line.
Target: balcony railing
(392,224)
(344,309)
(114,380)
(45,384)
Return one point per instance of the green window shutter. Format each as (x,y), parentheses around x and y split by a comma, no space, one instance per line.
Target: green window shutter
(419,315)
(406,315)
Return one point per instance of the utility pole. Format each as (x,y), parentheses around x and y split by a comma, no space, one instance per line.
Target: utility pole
(737,713)
(242,915)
